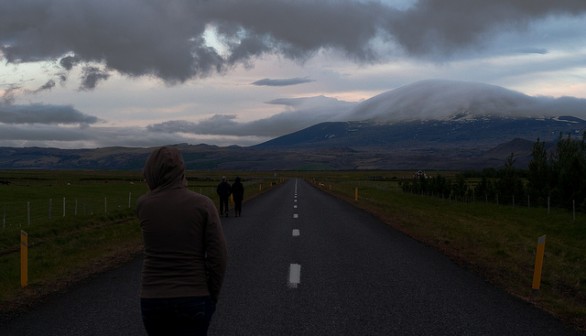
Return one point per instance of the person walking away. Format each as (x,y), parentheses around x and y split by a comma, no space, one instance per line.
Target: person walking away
(224,191)
(238,195)
(185,251)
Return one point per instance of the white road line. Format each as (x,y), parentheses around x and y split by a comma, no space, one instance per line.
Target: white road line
(294,275)
(295,215)
(295,206)
(296,233)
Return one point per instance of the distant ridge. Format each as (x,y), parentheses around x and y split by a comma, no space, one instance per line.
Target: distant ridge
(472,134)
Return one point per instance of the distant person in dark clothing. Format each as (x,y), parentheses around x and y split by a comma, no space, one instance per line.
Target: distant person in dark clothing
(184,250)
(238,194)
(224,190)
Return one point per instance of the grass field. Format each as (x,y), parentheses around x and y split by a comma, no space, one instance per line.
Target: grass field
(78,223)
(499,242)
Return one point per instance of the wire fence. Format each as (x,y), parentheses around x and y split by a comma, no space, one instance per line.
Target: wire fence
(20,214)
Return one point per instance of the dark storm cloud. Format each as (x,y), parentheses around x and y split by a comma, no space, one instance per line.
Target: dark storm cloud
(435,27)
(282,82)
(91,76)
(166,38)
(43,114)
(299,29)
(47,86)
(68,62)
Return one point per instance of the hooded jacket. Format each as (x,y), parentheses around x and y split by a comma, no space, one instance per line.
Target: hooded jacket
(184,246)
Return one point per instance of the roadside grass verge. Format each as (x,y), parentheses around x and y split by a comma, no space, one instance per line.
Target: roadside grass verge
(65,254)
(499,242)
(66,245)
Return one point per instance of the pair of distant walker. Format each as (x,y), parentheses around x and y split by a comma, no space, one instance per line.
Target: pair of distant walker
(236,190)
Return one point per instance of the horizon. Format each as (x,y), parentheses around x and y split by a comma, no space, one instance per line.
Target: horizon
(228,73)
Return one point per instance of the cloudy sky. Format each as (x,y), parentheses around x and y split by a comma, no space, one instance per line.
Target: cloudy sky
(95,73)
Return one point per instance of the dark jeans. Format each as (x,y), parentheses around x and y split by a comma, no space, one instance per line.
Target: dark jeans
(237,207)
(177,316)
(224,206)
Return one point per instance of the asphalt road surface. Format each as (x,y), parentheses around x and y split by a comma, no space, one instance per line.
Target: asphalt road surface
(304,263)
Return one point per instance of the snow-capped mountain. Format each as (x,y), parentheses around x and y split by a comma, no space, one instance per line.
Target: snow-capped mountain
(447,124)
(457,100)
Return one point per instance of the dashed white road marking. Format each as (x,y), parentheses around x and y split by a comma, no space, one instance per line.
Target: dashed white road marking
(295,215)
(296,233)
(294,275)
(295,206)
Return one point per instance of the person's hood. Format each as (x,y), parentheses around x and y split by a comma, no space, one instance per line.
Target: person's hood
(164,168)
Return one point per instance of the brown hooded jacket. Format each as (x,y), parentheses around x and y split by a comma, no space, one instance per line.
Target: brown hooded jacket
(184,246)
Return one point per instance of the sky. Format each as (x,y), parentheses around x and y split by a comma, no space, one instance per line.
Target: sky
(142,73)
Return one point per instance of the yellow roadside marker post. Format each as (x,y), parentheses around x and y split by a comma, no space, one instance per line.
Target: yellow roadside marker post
(356,194)
(538,263)
(23,259)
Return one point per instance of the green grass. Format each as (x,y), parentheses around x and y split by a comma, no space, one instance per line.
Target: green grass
(97,229)
(498,242)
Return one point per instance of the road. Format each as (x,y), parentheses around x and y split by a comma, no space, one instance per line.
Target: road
(304,263)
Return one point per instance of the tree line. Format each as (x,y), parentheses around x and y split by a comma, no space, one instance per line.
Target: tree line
(554,177)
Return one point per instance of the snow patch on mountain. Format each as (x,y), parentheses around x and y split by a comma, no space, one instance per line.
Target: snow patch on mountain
(462,101)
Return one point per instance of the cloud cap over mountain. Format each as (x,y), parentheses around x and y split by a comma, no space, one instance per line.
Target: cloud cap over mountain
(452,100)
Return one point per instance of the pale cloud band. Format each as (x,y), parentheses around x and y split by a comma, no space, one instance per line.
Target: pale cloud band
(281,82)
(303,112)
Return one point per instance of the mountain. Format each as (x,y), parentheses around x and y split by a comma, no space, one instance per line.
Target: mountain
(459,100)
(431,124)
(432,144)
(480,134)
(443,124)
